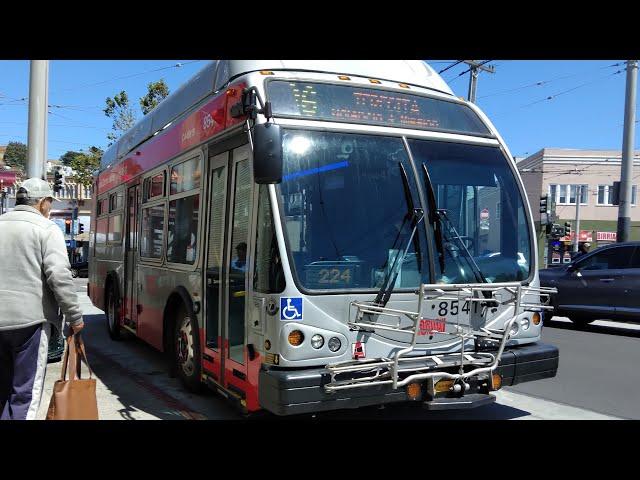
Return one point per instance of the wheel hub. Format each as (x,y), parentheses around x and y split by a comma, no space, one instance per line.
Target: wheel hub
(184,347)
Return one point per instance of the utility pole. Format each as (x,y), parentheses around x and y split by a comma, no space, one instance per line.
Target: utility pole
(475,69)
(576,228)
(38,108)
(626,172)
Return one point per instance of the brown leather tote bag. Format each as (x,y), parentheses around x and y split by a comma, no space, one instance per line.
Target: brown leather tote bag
(74,399)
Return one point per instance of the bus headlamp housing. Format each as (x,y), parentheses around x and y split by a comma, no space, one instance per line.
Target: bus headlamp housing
(334,344)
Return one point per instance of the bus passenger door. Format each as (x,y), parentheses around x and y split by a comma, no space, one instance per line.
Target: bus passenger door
(131,259)
(236,271)
(212,359)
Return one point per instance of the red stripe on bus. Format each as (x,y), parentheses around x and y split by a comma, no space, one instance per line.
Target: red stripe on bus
(209,120)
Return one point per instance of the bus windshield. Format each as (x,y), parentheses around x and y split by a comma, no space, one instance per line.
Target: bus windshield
(345,211)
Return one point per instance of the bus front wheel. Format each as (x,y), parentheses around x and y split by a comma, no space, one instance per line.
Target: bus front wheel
(187,350)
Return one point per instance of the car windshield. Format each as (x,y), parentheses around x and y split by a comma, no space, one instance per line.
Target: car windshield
(345,211)
(480,197)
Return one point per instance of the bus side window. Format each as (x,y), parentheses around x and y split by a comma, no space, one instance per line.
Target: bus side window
(268,276)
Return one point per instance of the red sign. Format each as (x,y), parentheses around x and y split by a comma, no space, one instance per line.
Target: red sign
(585,236)
(358,350)
(484,214)
(607,236)
(428,325)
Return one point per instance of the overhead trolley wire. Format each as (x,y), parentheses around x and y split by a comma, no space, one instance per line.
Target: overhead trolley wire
(544,82)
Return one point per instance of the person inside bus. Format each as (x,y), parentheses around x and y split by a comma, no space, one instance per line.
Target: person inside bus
(240,261)
(35,281)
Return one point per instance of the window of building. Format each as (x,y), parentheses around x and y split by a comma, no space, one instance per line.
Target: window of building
(566,194)
(605,194)
(182,232)
(152,232)
(185,176)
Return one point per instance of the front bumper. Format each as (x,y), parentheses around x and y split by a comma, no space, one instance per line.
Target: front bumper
(289,392)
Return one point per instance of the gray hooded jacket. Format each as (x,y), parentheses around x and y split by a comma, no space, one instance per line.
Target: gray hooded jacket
(35,275)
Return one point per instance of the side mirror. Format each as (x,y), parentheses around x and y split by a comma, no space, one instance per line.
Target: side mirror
(267,153)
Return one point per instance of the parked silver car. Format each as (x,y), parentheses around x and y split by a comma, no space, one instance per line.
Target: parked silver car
(602,284)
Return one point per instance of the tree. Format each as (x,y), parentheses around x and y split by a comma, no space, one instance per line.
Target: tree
(84,164)
(123,116)
(156,92)
(67,157)
(16,155)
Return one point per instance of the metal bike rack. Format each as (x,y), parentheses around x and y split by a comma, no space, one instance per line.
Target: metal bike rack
(387,371)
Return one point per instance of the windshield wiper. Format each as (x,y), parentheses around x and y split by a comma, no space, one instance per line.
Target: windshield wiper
(414,215)
(476,270)
(434,218)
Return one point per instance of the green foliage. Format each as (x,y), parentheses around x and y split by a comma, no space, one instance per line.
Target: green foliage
(16,155)
(122,114)
(84,164)
(67,157)
(156,92)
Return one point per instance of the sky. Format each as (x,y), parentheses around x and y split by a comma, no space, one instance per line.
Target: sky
(586,109)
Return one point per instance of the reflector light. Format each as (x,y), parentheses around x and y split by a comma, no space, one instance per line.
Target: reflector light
(404,85)
(414,391)
(536,318)
(496,381)
(296,338)
(443,386)
(344,77)
(267,345)
(372,80)
(266,72)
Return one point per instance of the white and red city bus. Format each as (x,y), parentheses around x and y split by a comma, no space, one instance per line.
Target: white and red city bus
(314,235)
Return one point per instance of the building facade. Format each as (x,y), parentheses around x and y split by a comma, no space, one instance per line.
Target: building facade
(563,173)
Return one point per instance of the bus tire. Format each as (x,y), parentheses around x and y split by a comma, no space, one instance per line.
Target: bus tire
(112,312)
(186,350)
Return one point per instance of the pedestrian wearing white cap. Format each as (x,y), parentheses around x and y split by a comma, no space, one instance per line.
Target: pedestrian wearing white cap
(35,281)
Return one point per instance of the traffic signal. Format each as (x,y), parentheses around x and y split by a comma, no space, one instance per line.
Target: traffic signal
(615,193)
(80,228)
(567,229)
(544,204)
(59,179)
(67,226)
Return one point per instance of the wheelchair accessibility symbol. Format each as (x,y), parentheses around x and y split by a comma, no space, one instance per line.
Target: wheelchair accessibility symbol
(291,308)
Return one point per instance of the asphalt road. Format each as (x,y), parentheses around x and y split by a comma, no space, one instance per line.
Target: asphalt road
(132,383)
(599,367)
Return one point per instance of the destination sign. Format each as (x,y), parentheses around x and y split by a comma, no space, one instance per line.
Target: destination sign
(345,103)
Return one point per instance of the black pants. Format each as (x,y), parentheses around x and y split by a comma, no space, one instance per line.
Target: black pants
(23,364)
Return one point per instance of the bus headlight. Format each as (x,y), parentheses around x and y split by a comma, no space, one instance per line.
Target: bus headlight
(514,329)
(317,341)
(334,344)
(525,323)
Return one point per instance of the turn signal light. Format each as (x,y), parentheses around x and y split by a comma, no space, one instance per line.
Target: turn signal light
(296,338)
(443,386)
(373,80)
(344,77)
(496,381)
(414,391)
(536,318)
(404,85)
(266,72)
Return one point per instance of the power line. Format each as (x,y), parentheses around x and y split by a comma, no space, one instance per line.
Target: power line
(554,96)
(87,85)
(544,82)
(450,66)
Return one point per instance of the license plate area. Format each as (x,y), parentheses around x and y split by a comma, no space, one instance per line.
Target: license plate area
(440,316)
